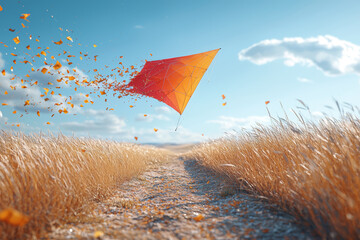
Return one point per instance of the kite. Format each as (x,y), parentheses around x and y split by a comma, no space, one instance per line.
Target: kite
(173,80)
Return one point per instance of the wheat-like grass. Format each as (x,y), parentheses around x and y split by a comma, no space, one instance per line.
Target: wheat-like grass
(311,169)
(52,179)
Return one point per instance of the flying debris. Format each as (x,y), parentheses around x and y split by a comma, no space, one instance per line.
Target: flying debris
(173,80)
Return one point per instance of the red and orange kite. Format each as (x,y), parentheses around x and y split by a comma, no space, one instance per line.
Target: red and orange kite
(172,80)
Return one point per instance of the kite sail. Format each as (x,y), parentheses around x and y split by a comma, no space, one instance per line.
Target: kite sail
(173,80)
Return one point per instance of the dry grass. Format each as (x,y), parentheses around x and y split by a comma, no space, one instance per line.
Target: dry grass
(311,169)
(57,179)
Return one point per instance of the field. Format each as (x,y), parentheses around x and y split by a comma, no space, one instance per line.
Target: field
(52,180)
(309,169)
(312,170)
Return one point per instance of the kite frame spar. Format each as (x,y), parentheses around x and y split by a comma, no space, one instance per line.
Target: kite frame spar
(172,80)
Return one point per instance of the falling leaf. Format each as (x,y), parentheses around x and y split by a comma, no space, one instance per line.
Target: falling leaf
(3,72)
(136,138)
(16,40)
(23,25)
(223,96)
(59,42)
(11,30)
(131,106)
(69,38)
(13,54)
(145,115)
(25,16)
(12,216)
(14,112)
(48,123)
(18,125)
(44,70)
(1,8)
(102,92)
(46,91)
(95,45)
(266,230)
(38,113)
(27,102)
(5,92)
(4,104)
(98,234)
(28,47)
(267,102)
(198,218)
(57,65)
(155,129)
(224,104)
(43,53)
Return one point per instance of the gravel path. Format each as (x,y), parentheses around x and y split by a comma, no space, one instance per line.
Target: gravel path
(181,200)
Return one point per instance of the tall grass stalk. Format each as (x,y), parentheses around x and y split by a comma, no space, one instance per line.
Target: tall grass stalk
(51,179)
(310,169)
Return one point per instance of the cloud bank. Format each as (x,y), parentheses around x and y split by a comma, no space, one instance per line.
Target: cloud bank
(331,55)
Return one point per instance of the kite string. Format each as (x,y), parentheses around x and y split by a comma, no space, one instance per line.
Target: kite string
(178,122)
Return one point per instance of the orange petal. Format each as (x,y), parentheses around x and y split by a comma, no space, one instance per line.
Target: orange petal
(44,70)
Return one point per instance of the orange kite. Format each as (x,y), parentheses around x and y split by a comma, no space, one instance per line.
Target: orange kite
(173,80)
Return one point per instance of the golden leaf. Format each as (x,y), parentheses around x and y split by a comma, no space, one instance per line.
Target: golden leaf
(16,40)
(57,65)
(12,216)
(199,217)
(25,16)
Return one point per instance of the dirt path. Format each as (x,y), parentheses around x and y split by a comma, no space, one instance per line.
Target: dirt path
(181,200)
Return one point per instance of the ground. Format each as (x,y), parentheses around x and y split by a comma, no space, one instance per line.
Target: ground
(182,200)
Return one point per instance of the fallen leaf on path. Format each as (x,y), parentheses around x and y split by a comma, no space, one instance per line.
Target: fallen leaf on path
(12,216)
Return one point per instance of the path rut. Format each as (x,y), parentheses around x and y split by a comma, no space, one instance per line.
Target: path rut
(182,200)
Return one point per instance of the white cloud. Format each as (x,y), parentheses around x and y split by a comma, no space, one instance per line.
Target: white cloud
(304,80)
(331,55)
(150,118)
(139,26)
(2,62)
(229,123)
(162,110)
(53,75)
(101,123)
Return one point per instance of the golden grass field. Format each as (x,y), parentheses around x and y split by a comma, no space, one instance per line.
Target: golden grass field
(310,169)
(47,180)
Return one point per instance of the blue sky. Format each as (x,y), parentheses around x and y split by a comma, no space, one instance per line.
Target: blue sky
(277,51)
